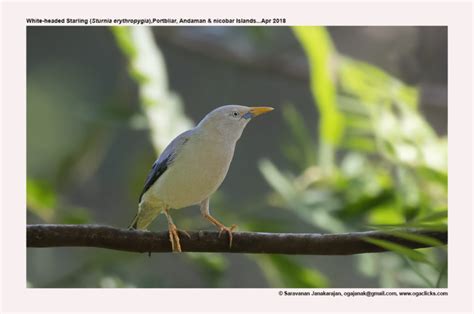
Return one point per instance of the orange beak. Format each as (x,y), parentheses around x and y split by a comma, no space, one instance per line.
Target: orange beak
(256,111)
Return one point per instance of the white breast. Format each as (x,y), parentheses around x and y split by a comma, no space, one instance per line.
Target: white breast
(196,173)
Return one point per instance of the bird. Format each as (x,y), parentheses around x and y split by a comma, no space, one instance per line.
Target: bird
(192,167)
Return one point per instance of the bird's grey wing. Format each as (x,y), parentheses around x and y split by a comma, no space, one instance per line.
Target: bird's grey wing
(165,160)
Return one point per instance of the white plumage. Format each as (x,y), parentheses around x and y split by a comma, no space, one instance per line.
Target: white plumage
(193,166)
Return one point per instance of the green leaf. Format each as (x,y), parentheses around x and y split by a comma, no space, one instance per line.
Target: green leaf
(318,47)
(386,214)
(276,179)
(123,38)
(417,238)
(359,144)
(434,175)
(418,225)
(161,106)
(373,85)
(400,249)
(433,217)
(41,198)
(414,267)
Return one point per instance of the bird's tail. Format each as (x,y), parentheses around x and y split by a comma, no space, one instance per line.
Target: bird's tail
(145,215)
(134,223)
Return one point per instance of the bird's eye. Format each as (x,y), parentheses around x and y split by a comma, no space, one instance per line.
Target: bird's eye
(235,114)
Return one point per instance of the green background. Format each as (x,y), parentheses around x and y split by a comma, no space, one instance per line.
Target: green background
(357,142)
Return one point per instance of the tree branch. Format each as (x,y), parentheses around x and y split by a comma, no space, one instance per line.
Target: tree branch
(207,241)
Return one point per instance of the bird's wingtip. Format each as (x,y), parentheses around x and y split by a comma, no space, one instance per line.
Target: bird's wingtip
(133,225)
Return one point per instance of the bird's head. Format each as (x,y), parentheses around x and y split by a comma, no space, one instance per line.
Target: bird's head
(229,121)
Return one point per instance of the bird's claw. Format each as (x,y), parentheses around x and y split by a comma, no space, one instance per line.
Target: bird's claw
(185,232)
(174,238)
(229,231)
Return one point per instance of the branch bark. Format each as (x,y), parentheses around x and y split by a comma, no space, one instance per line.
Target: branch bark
(207,241)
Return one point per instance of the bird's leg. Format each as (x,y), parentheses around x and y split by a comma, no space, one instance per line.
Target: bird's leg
(173,232)
(221,227)
(217,223)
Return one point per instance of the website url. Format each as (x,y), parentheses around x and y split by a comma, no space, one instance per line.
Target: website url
(365,293)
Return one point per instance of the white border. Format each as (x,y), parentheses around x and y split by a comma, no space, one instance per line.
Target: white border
(16,297)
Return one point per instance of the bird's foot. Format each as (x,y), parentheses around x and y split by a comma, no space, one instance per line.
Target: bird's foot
(185,232)
(174,238)
(229,231)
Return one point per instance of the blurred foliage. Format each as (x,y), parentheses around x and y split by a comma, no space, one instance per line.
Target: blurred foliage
(163,108)
(166,120)
(211,265)
(284,271)
(378,163)
(113,282)
(296,148)
(321,65)
(41,199)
